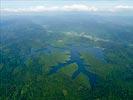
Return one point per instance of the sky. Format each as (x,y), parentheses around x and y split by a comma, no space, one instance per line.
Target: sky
(27,6)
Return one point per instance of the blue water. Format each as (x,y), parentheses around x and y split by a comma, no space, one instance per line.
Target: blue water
(74,58)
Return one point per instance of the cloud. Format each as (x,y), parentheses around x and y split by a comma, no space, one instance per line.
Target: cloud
(74,7)
(79,7)
(121,8)
(31,9)
(93,38)
(68,8)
